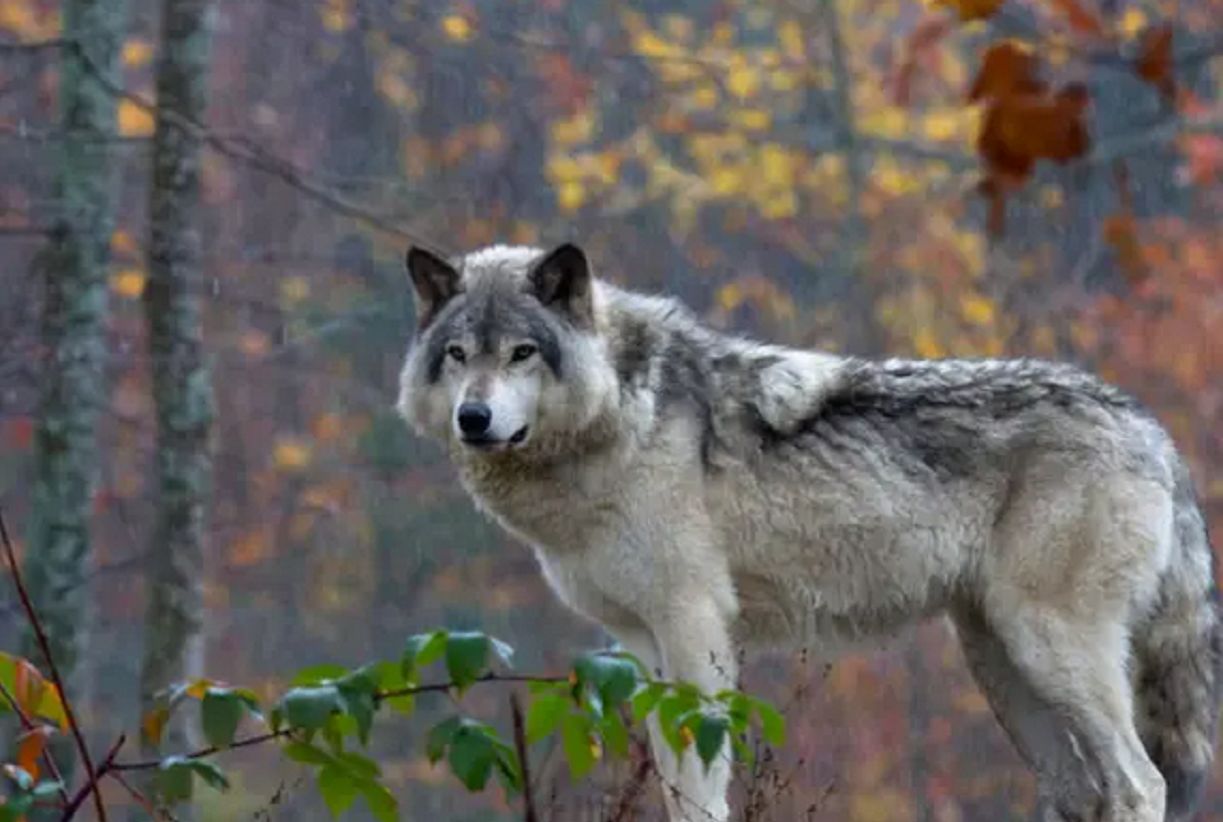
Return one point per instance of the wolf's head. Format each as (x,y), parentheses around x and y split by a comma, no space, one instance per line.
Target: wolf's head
(505,356)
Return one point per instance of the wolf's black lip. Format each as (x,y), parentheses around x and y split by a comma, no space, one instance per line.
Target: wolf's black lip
(519,435)
(488,443)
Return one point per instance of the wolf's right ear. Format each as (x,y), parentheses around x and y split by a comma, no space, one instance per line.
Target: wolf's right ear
(435,280)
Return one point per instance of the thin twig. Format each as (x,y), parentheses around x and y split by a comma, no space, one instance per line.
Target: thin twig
(45,646)
(140,798)
(520,743)
(28,724)
(107,765)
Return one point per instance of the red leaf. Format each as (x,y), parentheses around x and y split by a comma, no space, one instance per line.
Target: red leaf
(1007,68)
(1081,18)
(1154,62)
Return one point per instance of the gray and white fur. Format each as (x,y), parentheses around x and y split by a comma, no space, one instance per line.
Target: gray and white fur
(698,493)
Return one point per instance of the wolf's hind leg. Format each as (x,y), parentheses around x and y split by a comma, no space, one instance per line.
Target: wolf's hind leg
(1077,666)
(1068,784)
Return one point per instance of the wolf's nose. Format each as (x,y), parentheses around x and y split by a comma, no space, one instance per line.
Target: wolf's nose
(474,418)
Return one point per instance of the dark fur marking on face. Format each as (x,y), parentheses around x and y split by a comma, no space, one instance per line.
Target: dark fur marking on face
(500,313)
(447,326)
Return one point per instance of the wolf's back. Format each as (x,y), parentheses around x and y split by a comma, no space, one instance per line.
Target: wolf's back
(1179,656)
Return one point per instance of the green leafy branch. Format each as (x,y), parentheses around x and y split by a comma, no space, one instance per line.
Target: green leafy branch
(325,719)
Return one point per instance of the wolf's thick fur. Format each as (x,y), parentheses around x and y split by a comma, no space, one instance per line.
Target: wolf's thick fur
(695,492)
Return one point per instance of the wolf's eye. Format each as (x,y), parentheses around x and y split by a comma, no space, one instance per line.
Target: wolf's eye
(455,353)
(522,352)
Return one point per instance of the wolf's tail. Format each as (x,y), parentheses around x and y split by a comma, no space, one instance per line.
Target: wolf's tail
(1179,656)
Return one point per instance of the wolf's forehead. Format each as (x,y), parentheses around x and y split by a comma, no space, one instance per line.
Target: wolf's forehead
(504,264)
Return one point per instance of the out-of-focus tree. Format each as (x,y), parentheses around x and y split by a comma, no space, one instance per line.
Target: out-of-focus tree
(182,390)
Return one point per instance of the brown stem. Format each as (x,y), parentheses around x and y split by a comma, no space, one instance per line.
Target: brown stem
(43,644)
(107,765)
(520,743)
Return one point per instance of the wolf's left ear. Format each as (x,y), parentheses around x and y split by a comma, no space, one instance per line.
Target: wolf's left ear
(435,281)
(561,280)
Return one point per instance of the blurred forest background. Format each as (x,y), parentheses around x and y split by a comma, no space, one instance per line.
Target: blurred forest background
(812,171)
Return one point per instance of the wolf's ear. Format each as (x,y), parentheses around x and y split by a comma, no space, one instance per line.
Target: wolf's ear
(435,281)
(561,280)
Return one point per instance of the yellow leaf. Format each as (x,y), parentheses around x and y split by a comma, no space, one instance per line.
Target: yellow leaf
(291,454)
(137,52)
(942,125)
(294,289)
(790,35)
(703,98)
(458,28)
(649,44)
(122,243)
(926,345)
(743,80)
(977,309)
(779,204)
(753,119)
(134,120)
(570,196)
(128,283)
(885,121)
(726,180)
(776,165)
(1133,22)
(576,129)
(730,295)
(337,15)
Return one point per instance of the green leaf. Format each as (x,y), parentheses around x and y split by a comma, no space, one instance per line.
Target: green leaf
(381,802)
(220,712)
(615,677)
(20,777)
(466,657)
(646,700)
(210,773)
(338,789)
(615,735)
(357,692)
(307,754)
(580,750)
(174,779)
(710,733)
(772,723)
(440,736)
(318,674)
(545,714)
(309,707)
(472,755)
(421,650)
(358,765)
(391,678)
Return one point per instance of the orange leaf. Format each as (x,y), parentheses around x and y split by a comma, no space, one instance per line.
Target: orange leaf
(972,9)
(153,724)
(30,746)
(1081,18)
(1007,68)
(1121,233)
(1154,62)
(28,686)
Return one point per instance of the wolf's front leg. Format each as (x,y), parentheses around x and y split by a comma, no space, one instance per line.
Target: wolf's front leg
(692,642)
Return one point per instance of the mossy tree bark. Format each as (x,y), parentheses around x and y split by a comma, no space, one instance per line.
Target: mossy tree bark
(181,382)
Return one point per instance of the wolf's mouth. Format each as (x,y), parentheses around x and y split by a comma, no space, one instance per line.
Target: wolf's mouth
(489,444)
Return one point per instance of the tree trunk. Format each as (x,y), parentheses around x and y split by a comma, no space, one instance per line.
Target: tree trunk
(73,270)
(181,384)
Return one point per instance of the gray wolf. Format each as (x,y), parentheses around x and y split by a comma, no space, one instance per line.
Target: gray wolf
(698,493)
